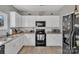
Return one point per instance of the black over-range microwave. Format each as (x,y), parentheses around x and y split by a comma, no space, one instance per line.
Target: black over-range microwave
(40,23)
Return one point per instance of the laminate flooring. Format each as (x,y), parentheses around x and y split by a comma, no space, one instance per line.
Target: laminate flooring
(41,50)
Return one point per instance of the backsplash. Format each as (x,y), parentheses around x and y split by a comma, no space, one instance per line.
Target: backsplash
(33,30)
(18,30)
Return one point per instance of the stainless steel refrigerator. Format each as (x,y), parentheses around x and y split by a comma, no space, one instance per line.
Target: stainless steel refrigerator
(76,34)
(68,33)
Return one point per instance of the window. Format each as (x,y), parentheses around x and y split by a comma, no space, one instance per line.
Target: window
(1,20)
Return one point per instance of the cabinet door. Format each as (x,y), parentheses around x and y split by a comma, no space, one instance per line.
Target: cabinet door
(18,43)
(10,48)
(31,22)
(21,41)
(38,18)
(15,19)
(24,21)
(52,21)
(14,46)
(54,40)
(28,21)
(12,19)
(25,40)
(18,20)
(30,41)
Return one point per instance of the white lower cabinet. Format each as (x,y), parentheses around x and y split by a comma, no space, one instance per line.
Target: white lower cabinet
(14,46)
(30,41)
(10,48)
(54,40)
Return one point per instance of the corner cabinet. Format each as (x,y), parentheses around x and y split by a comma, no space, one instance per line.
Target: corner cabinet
(15,19)
(14,46)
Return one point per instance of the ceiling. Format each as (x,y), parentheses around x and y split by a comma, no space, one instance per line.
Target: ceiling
(38,7)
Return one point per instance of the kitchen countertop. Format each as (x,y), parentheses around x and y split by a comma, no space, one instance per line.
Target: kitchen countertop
(4,39)
(53,33)
(29,33)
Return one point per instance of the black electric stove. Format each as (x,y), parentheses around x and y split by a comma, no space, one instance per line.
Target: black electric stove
(40,37)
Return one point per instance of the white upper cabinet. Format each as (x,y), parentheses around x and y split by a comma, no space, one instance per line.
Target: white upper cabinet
(15,19)
(18,20)
(28,21)
(51,21)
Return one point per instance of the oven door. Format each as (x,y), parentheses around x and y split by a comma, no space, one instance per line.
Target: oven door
(41,40)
